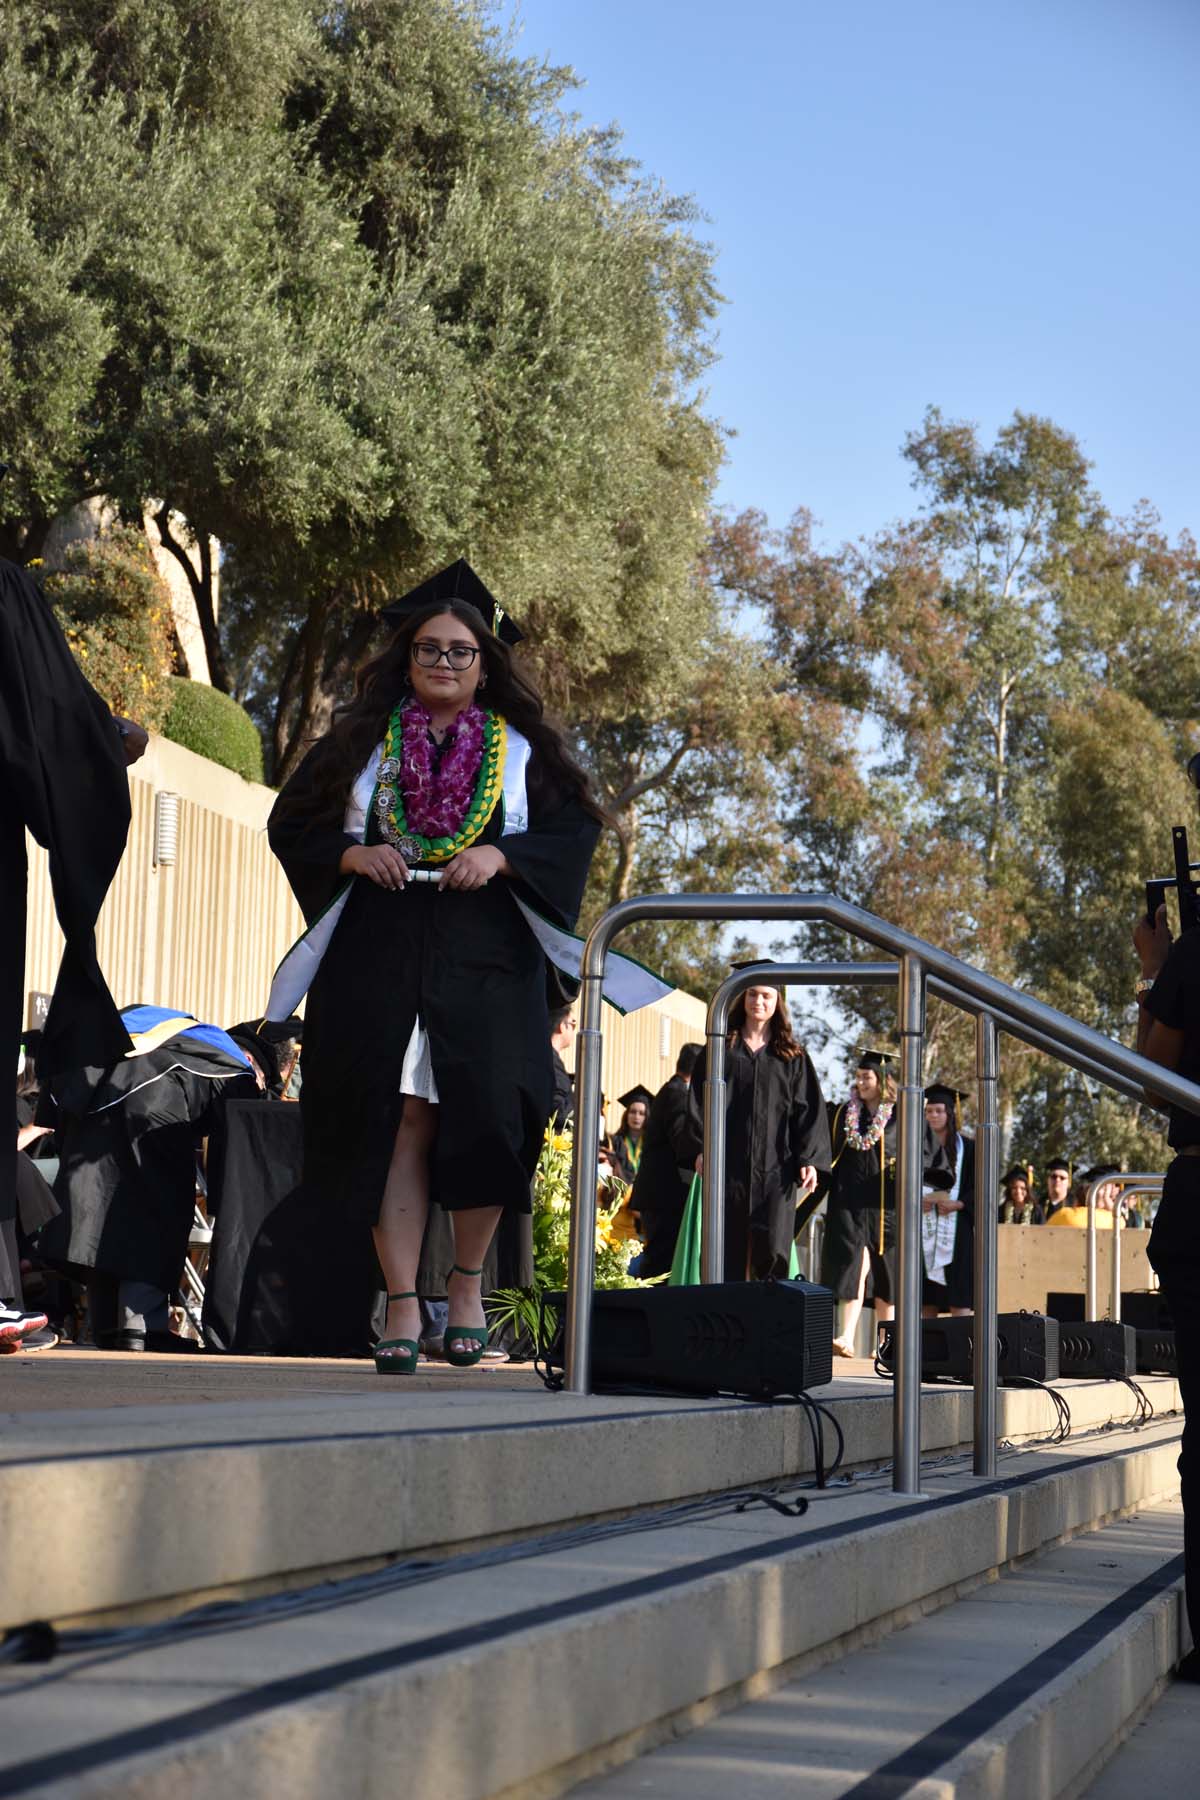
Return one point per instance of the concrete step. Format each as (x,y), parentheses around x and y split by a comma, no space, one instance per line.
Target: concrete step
(1162,1753)
(198,1497)
(1021,1689)
(525,1676)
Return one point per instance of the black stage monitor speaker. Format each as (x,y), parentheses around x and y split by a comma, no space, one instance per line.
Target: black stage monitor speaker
(756,1338)
(1100,1347)
(1156,1352)
(1145,1312)
(1028,1348)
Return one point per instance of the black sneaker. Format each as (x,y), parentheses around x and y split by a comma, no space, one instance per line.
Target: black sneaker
(46,1339)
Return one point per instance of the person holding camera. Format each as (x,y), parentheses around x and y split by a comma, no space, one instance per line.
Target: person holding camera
(1168,1032)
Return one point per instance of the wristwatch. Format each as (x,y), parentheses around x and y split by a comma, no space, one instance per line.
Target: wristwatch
(1145,983)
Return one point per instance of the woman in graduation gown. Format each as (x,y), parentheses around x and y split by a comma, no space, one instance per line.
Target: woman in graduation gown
(624,1148)
(948,1218)
(427,1068)
(776,1133)
(860,1222)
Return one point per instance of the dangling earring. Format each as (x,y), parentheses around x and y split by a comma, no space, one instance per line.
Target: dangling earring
(481,684)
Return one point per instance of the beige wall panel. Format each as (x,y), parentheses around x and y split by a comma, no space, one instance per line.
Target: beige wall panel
(1037,1260)
(204,933)
(633,1046)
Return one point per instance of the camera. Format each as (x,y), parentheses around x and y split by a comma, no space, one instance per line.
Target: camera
(1187,888)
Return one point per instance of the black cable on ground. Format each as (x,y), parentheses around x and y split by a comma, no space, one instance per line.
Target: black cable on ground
(40,1642)
(1062,1430)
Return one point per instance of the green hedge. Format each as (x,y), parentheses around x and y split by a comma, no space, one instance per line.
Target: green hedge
(203,719)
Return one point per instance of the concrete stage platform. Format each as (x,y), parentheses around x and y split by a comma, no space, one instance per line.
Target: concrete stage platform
(68,1378)
(491,1591)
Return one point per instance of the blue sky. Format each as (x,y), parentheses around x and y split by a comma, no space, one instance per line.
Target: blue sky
(981,206)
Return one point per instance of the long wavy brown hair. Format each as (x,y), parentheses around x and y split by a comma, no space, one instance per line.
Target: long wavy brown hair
(781,1041)
(383,680)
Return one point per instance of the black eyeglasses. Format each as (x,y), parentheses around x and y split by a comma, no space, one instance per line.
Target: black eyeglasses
(459,656)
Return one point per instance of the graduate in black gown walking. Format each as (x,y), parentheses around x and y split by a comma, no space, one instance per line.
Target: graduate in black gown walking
(436,839)
(948,1217)
(776,1133)
(860,1223)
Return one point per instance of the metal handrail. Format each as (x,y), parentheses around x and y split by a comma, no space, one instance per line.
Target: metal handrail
(920,964)
(1130,1183)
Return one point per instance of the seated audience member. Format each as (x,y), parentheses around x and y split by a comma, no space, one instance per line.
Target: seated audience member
(1058,1185)
(664,1175)
(288,1049)
(19,1324)
(29,1204)
(128,1136)
(1017,1203)
(625,1144)
(563,1026)
(1107,1198)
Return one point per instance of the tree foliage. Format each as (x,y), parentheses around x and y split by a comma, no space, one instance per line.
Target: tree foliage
(351,293)
(115,610)
(1033,682)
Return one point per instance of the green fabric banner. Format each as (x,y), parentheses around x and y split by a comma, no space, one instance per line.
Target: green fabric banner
(685,1266)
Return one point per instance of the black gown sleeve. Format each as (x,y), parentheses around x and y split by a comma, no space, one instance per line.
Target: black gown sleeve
(310,851)
(809,1124)
(63,776)
(677,1129)
(689,1137)
(551,860)
(835,1114)
(966,1186)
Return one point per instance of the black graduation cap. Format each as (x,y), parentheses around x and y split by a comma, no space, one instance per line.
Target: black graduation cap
(876,1059)
(1018,1172)
(281,1031)
(458,582)
(938,1094)
(247,1037)
(754,962)
(937,1181)
(1098,1173)
(635,1093)
(1059,1162)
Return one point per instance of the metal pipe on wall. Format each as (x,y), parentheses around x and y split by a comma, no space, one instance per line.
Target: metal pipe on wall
(712,1225)
(986,1371)
(1130,1183)
(581,1251)
(910,1166)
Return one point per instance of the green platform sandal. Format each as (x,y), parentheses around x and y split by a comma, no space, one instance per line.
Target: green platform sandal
(476,1334)
(407,1350)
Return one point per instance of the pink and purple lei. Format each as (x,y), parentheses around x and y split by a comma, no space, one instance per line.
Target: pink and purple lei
(435,805)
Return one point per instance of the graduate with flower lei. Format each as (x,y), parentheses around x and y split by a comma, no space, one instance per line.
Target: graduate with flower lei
(860,1222)
(420,837)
